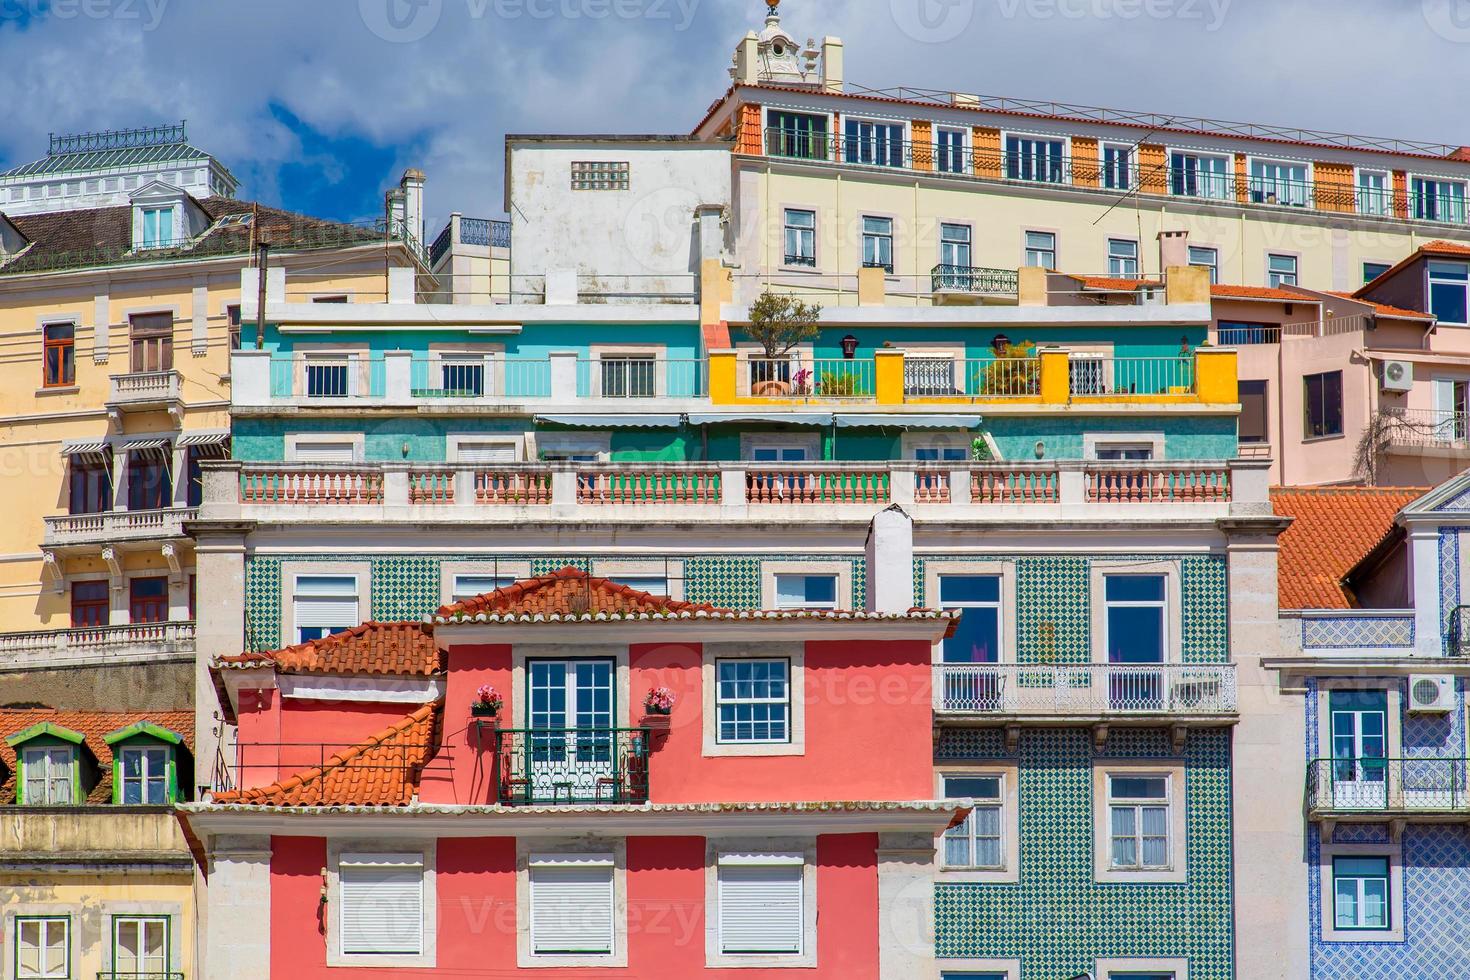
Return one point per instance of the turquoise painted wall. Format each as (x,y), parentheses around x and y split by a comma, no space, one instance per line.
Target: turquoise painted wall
(1126,341)
(1185,436)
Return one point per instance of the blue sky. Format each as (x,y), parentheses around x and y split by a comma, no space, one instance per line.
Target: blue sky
(319,105)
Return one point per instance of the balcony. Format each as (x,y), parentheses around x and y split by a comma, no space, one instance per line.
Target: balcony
(958,283)
(117,527)
(146,391)
(693,492)
(1375,789)
(480,232)
(103,644)
(540,767)
(1419,432)
(1085,693)
(115,975)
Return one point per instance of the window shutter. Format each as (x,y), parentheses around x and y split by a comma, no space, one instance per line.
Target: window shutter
(324,452)
(326,602)
(381,904)
(487,452)
(761,904)
(572,904)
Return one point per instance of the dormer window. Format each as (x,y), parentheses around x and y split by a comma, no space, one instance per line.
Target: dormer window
(158,227)
(48,775)
(145,765)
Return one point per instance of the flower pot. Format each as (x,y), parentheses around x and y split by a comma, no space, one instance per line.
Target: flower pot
(770,389)
(656,722)
(483,711)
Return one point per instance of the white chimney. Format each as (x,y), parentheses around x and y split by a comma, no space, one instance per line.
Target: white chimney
(890,555)
(746,70)
(393,205)
(412,186)
(832,66)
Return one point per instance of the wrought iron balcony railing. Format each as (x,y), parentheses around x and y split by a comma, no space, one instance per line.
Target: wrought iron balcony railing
(1457,643)
(1085,690)
(549,766)
(1387,786)
(974,279)
(145,975)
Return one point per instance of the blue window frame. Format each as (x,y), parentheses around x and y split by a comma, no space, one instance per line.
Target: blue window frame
(879,144)
(949,155)
(1196,175)
(1449,292)
(1117,170)
(753,701)
(1040,160)
(977,638)
(1439,200)
(1360,893)
(1135,618)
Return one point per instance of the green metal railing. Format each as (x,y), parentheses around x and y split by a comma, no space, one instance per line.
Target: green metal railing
(547,766)
(1387,786)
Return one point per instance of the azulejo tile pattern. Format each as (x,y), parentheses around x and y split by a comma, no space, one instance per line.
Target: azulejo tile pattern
(1353,631)
(1056,919)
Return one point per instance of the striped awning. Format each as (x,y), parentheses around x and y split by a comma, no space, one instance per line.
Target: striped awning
(613,421)
(211,437)
(147,445)
(786,418)
(84,447)
(874,420)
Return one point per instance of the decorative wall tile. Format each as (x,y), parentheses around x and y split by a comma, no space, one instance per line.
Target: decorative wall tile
(1324,633)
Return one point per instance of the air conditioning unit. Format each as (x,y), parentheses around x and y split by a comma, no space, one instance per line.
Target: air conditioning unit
(1431,693)
(1398,376)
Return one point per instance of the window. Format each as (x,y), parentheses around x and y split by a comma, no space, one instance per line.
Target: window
(778,454)
(323,605)
(58,358)
(1124,451)
(90,605)
(151,342)
(1281,270)
(628,376)
(480,451)
(1449,292)
(571,897)
(806,591)
(1117,167)
(949,156)
(977,637)
(322,450)
(753,701)
(1138,820)
(50,775)
(158,227)
(1254,419)
(381,904)
(979,842)
(150,486)
(1206,258)
(1323,408)
(1035,159)
(461,376)
(1374,195)
(328,377)
(91,483)
(148,600)
(940,454)
(611,175)
(1360,893)
(878,244)
(336,298)
(1041,250)
(1122,258)
(1372,270)
(233,313)
(1358,726)
(1438,200)
(144,775)
(1235,333)
(1197,175)
(42,948)
(473,586)
(652,584)
(801,237)
(797,134)
(879,144)
(1135,607)
(1279,183)
(954,249)
(761,904)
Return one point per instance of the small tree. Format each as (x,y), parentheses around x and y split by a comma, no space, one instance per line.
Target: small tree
(780,321)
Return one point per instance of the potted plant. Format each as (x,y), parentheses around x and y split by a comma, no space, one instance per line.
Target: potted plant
(658,705)
(778,322)
(487,702)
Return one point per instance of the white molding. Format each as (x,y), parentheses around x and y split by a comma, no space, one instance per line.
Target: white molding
(339,687)
(1172,769)
(711,654)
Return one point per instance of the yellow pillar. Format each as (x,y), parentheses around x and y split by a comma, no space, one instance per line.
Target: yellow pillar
(1032,286)
(888,376)
(872,287)
(722,388)
(1056,381)
(715,288)
(1186,284)
(1216,376)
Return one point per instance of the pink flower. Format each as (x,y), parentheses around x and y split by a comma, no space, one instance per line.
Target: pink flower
(659,699)
(487,695)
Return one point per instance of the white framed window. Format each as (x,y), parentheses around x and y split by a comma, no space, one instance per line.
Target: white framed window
(806,591)
(1041,250)
(50,775)
(1433,199)
(1137,450)
(472,585)
(949,149)
(382,904)
(1281,270)
(1277,182)
(878,243)
(42,947)
(140,945)
(328,375)
(574,447)
(1449,292)
(1375,193)
(1362,889)
(461,375)
(323,605)
(1141,968)
(1117,166)
(980,970)
(572,902)
(979,843)
(1201,175)
(954,248)
(324,448)
(771,451)
(652,584)
(877,143)
(144,772)
(753,701)
(158,227)
(1138,822)
(484,450)
(1036,158)
(761,904)
(1136,618)
(1123,258)
(801,237)
(1206,258)
(628,375)
(979,637)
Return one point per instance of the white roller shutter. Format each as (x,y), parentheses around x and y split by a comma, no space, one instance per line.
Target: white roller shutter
(571,903)
(761,903)
(326,601)
(381,904)
(325,452)
(486,452)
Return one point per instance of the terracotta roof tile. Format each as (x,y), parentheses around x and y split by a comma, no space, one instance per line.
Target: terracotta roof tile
(382,771)
(568,592)
(1333,528)
(373,648)
(94,726)
(1111,284)
(1441,247)
(1228,291)
(1383,309)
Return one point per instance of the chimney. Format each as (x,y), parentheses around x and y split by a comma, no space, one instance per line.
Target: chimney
(1463,153)
(964,100)
(832,66)
(747,60)
(890,555)
(412,186)
(393,207)
(1173,249)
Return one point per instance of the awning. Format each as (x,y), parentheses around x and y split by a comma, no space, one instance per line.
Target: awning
(84,447)
(149,445)
(613,421)
(211,437)
(909,421)
(786,418)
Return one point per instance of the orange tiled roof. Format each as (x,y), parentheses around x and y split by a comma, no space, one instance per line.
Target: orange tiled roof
(1383,309)
(372,648)
(1441,247)
(568,592)
(1437,247)
(1111,284)
(1226,291)
(1333,528)
(94,726)
(382,771)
